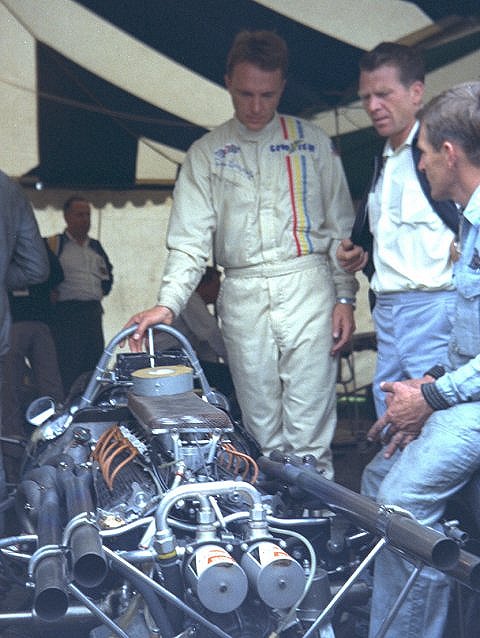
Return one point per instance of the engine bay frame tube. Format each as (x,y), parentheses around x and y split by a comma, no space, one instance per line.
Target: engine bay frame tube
(93,385)
(164,593)
(96,611)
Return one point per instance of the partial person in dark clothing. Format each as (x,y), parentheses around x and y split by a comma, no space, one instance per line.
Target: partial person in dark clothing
(31,366)
(23,261)
(77,321)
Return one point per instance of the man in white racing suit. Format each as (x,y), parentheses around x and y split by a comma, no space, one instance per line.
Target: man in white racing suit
(268,194)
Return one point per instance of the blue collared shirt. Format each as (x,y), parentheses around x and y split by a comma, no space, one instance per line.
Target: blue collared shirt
(462,382)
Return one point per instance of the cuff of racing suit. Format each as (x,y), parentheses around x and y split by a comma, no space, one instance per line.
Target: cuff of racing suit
(346,288)
(346,285)
(433,397)
(172,304)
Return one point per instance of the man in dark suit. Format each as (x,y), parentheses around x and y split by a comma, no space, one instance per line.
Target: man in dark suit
(23,261)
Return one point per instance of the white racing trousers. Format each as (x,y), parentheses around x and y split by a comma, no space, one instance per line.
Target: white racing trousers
(277,326)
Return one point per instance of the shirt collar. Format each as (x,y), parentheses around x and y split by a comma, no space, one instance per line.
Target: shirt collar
(388,151)
(472,209)
(256,136)
(72,238)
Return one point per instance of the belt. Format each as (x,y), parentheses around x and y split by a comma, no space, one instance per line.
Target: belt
(408,296)
(280,268)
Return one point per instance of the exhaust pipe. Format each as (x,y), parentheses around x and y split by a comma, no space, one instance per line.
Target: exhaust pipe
(89,564)
(51,600)
(402,532)
(48,572)
(467,570)
(27,505)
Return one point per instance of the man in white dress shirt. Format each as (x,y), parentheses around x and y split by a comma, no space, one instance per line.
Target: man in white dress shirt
(402,237)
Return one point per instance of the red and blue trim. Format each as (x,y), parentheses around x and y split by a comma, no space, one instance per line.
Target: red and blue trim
(296,164)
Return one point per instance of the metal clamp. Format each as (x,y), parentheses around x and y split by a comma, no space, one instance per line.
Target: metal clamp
(40,554)
(75,522)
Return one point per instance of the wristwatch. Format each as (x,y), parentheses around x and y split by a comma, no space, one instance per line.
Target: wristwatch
(346,300)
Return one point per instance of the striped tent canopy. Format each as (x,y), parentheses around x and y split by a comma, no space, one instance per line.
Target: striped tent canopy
(110,94)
